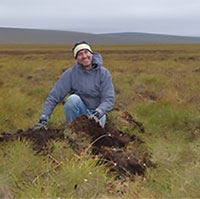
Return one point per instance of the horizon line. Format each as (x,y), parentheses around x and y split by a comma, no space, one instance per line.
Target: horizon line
(124,32)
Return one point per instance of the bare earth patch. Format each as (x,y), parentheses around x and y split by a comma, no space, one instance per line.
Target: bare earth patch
(117,149)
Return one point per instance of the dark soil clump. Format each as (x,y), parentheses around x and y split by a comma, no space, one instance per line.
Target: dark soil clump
(117,149)
(103,137)
(112,146)
(40,138)
(197,70)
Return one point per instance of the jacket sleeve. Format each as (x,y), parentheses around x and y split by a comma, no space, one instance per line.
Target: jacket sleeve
(107,92)
(57,94)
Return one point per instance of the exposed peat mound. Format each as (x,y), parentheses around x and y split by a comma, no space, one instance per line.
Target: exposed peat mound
(190,58)
(197,70)
(121,151)
(40,138)
(1,83)
(117,149)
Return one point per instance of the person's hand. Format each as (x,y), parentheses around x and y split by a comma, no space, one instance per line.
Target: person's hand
(41,125)
(96,116)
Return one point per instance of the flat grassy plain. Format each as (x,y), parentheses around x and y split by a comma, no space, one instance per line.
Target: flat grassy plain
(157,84)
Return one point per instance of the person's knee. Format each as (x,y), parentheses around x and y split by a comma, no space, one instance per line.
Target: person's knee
(72,101)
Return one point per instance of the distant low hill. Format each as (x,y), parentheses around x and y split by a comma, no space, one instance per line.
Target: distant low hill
(36,36)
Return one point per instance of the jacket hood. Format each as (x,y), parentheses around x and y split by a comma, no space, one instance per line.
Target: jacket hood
(97,61)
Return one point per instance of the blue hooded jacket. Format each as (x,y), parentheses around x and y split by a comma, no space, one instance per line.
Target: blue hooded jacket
(93,86)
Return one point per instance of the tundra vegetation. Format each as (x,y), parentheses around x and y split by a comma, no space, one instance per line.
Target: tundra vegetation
(158,85)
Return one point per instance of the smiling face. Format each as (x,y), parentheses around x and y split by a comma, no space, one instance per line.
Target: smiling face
(84,57)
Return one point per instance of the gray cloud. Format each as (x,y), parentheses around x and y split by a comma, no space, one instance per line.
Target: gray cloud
(180,17)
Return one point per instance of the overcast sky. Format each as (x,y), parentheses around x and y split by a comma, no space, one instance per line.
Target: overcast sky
(176,17)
